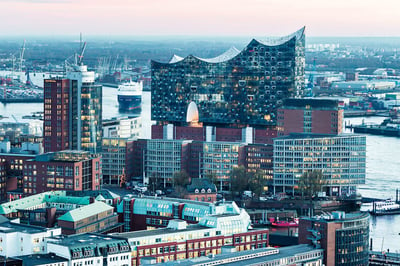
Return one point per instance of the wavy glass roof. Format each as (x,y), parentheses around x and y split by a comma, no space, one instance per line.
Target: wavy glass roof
(233,51)
(274,41)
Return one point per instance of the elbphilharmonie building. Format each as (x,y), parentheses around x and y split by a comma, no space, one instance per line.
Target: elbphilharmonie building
(237,88)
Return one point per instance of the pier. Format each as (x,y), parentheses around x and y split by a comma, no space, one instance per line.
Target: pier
(382,258)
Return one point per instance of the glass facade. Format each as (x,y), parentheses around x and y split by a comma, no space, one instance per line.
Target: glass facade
(352,242)
(236,88)
(91,117)
(113,160)
(219,158)
(341,158)
(163,158)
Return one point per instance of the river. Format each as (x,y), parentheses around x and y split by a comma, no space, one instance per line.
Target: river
(383,158)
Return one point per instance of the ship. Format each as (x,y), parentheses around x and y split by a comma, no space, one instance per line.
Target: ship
(386,207)
(130,96)
(287,223)
(389,127)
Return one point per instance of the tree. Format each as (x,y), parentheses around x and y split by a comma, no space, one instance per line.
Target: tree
(181,179)
(213,178)
(239,179)
(310,183)
(154,182)
(256,182)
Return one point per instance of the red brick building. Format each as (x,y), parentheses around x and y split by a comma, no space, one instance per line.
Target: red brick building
(63,170)
(12,183)
(56,115)
(201,189)
(96,217)
(317,116)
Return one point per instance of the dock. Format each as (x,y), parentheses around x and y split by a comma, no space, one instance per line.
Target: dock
(382,258)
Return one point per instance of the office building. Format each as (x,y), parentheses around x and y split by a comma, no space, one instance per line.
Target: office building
(123,127)
(316,116)
(344,237)
(141,213)
(117,160)
(163,158)
(341,158)
(73,112)
(63,170)
(217,226)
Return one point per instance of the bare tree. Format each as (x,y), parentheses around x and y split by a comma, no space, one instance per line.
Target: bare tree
(310,183)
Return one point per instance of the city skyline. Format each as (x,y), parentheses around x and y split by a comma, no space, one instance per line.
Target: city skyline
(206,18)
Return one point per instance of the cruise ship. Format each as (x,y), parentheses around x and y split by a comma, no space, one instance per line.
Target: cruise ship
(130,96)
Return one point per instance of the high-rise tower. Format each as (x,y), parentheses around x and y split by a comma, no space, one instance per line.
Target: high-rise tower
(73,111)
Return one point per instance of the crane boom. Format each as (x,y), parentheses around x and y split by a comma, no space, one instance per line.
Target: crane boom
(21,57)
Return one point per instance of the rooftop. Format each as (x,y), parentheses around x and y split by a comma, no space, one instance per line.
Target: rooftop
(316,136)
(85,211)
(84,240)
(248,257)
(28,202)
(172,200)
(233,52)
(199,184)
(40,259)
(65,156)
(160,232)
(339,216)
(105,193)
(321,103)
(10,227)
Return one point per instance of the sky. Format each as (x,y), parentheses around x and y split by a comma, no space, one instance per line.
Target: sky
(199,17)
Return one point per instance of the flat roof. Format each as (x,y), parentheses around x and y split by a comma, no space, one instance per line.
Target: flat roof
(173,200)
(160,232)
(316,136)
(9,227)
(40,259)
(283,253)
(84,240)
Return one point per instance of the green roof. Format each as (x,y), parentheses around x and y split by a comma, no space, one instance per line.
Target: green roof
(85,211)
(38,199)
(28,202)
(68,199)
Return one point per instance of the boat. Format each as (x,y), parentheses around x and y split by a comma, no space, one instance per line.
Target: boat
(386,207)
(293,223)
(130,96)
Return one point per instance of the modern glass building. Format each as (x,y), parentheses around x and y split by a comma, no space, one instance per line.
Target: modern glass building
(219,158)
(235,88)
(73,112)
(344,237)
(86,110)
(163,158)
(341,158)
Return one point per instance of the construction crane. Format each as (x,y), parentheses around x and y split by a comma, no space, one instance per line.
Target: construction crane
(78,58)
(21,56)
